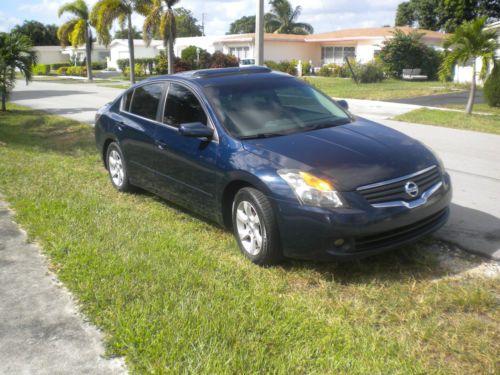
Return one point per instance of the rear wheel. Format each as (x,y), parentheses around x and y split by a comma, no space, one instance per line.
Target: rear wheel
(117,168)
(255,227)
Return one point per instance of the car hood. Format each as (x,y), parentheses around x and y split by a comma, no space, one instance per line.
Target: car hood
(351,155)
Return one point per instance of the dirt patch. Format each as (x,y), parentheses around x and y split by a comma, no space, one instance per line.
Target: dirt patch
(459,263)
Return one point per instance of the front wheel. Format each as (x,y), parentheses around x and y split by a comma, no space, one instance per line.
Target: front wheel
(255,227)
(117,168)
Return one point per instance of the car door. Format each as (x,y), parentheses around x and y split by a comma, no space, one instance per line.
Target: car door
(186,166)
(137,125)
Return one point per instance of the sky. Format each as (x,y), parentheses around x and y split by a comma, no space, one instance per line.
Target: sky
(323,15)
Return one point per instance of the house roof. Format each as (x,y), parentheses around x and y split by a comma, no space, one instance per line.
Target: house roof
(371,33)
(137,42)
(267,37)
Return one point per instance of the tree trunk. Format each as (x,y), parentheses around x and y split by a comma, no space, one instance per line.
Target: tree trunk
(170,48)
(131,49)
(88,52)
(4,92)
(472,93)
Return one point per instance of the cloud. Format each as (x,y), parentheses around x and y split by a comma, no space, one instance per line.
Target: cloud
(323,15)
(7,22)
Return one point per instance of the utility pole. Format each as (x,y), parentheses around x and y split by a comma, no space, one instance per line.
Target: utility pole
(203,24)
(259,33)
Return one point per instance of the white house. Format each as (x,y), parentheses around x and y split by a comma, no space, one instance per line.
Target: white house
(118,49)
(324,48)
(463,73)
(99,53)
(50,55)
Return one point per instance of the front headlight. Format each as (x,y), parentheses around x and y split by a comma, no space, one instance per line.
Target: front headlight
(311,190)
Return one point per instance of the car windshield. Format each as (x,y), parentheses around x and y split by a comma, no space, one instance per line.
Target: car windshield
(273,107)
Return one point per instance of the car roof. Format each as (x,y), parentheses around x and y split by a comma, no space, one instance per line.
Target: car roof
(209,77)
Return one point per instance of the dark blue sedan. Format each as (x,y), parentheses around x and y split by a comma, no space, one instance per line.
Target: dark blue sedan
(291,171)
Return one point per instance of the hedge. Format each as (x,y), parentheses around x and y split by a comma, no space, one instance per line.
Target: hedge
(492,87)
(41,69)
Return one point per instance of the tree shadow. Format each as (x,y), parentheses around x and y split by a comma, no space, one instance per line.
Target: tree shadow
(46,133)
(37,94)
(475,230)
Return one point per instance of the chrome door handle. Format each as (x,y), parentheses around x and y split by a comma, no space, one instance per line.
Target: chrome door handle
(161,145)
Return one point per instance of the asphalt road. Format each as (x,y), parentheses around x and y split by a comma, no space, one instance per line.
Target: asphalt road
(472,158)
(459,97)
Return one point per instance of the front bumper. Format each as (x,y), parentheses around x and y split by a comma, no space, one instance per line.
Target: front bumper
(360,231)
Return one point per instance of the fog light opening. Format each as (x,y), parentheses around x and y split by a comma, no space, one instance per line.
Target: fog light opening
(339,242)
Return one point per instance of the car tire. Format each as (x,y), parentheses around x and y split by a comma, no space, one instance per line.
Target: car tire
(117,168)
(255,227)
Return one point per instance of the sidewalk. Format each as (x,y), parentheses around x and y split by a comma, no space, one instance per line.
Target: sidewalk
(41,331)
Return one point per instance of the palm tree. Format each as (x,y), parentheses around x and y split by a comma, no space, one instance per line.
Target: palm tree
(281,19)
(104,13)
(160,17)
(77,29)
(470,42)
(15,54)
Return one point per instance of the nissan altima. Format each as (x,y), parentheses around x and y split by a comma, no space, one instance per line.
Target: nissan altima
(287,168)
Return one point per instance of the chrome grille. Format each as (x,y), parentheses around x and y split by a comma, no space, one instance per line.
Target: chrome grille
(394,190)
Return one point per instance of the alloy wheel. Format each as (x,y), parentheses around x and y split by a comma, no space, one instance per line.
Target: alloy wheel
(249,227)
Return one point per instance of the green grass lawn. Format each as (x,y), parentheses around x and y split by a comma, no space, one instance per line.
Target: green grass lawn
(477,108)
(449,119)
(388,89)
(173,294)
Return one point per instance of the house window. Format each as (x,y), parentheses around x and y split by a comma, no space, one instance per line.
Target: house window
(240,52)
(337,55)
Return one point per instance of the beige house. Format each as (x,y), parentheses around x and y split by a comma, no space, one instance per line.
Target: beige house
(320,49)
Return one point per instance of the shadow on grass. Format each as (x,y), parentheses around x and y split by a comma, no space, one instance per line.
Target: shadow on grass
(413,262)
(21,127)
(36,94)
(28,128)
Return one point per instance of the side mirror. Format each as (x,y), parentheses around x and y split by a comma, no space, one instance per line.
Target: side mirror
(343,104)
(195,130)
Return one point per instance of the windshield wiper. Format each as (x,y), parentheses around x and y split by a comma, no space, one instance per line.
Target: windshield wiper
(262,135)
(328,124)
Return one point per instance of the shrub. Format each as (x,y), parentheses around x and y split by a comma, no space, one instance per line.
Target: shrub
(306,68)
(273,65)
(62,70)
(369,73)
(492,87)
(325,71)
(77,71)
(57,66)
(98,65)
(41,69)
(122,64)
(161,66)
(289,67)
(190,55)
(220,60)
(407,51)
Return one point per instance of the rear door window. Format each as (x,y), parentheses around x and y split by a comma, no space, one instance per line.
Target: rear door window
(126,100)
(146,99)
(182,106)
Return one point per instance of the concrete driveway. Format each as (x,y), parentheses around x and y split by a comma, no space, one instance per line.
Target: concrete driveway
(78,101)
(472,158)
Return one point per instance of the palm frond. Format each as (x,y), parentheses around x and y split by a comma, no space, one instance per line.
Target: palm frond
(153,13)
(78,8)
(64,31)
(78,34)
(104,13)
